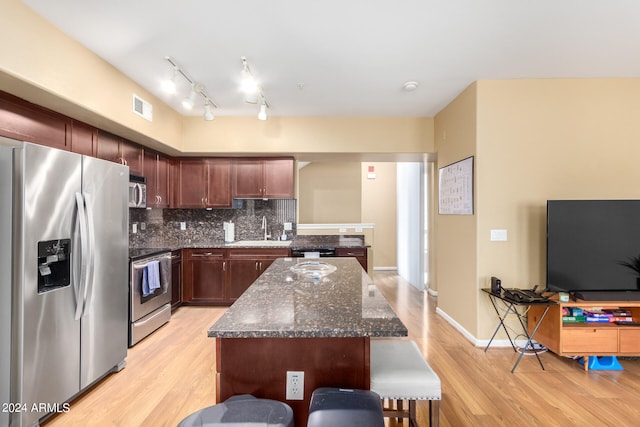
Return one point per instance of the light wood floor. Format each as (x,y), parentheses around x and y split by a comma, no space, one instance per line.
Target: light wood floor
(171,374)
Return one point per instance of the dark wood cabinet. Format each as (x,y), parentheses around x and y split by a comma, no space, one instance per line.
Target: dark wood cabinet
(203,276)
(219,183)
(246,265)
(84,139)
(156,171)
(176,279)
(219,276)
(262,178)
(24,121)
(203,183)
(359,253)
(190,183)
(115,149)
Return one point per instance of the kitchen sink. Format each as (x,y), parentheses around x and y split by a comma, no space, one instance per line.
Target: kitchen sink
(262,243)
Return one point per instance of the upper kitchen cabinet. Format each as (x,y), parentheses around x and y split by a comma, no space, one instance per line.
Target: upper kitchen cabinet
(118,150)
(24,121)
(156,171)
(84,139)
(203,183)
(262,179)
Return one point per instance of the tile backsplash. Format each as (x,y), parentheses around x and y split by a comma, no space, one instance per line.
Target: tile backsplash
(161,227)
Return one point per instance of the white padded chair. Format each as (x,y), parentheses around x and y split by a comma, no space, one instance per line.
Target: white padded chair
(399,372)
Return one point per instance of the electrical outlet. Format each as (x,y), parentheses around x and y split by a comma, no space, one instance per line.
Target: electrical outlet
(134,228)
(295,385)
(183,225)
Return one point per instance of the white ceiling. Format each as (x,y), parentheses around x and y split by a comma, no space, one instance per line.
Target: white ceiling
(352,56)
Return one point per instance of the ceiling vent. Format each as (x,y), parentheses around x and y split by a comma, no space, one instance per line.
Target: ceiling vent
(142,108)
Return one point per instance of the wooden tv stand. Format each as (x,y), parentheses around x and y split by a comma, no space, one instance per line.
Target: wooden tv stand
(586,339)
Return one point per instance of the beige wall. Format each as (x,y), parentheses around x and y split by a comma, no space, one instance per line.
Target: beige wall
(379,207)
(534,140)
(329,193)
(309,135)
(456,235)
(341,193)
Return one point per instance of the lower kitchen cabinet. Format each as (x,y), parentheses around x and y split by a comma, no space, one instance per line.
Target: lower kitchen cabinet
(176,279)
(246,265)
(358,253)
(203,276)
(220,276)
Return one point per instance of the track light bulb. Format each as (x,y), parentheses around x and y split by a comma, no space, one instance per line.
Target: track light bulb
(190,100)
(208,111)
(170,85)
(262,115)
(248,84)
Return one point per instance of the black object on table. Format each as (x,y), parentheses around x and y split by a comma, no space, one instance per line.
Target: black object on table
(512,305)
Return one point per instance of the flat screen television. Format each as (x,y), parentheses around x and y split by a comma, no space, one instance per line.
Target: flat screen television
(592,246)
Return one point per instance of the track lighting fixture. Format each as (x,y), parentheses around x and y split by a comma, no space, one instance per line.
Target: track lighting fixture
(196,89)
(208,111)
(262,115)
(170,85)
(190,100)
(252,89)
(248,83)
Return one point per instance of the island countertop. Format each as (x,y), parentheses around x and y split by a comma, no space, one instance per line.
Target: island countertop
(283,304)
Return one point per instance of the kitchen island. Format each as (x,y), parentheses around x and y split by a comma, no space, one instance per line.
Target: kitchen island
(288,322)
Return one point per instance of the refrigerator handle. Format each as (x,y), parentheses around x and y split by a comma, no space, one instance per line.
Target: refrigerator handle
(80,251)
(91,258)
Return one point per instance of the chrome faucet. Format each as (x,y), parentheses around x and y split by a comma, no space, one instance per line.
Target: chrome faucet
(264,227)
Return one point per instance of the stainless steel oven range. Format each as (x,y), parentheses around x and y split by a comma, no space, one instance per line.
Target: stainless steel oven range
(149,292)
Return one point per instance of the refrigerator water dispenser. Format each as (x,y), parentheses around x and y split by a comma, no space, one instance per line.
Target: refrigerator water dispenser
(54,264)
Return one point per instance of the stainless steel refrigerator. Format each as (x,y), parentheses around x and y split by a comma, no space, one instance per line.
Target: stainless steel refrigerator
(63,277)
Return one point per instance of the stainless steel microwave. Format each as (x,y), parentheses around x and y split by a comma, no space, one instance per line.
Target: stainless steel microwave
(137,191)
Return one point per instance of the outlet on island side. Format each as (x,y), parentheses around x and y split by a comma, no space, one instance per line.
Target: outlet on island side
(295,385)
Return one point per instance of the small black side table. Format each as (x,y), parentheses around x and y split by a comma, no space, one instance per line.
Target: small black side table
(512,306)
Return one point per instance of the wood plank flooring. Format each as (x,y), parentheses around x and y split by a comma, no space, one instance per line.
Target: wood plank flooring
(171,374)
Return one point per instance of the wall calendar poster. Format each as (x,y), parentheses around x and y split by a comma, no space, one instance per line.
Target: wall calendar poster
(455,183)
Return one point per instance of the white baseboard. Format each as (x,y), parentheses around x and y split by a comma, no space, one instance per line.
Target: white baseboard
(385,268)
(458,327)
(432,292)
(475,341)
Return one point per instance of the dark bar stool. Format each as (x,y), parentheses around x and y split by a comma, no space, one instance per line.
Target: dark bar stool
(240,411)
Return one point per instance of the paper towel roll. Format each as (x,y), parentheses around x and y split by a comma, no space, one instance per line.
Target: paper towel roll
(229,232)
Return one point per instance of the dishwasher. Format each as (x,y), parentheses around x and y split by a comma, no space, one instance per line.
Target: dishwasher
(313,252)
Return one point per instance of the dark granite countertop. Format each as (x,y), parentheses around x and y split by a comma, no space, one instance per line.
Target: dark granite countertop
(282,304)
(328,241)
(299,242)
